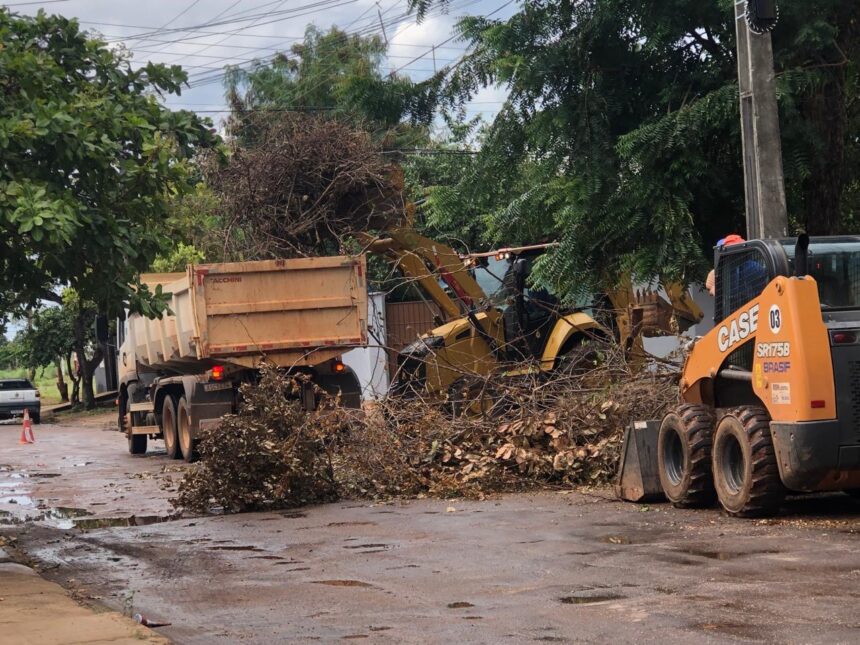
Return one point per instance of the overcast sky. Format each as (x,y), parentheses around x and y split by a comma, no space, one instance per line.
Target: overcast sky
(205,35)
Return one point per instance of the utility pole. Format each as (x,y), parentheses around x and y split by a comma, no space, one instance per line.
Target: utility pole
(763,175)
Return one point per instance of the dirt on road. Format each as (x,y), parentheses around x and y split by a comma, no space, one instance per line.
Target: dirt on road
(553,567)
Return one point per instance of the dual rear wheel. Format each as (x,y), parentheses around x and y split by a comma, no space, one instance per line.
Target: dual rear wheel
(733,460)
(176,429)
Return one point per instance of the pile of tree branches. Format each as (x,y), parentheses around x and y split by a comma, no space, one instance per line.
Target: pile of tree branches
(298,185)
(563,432)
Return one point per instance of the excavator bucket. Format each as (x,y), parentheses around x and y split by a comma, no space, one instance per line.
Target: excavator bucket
(638,479)
(651,315)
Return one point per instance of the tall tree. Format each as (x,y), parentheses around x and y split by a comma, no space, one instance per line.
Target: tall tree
(90,160)
(621,131)
(338,74)
(50,341)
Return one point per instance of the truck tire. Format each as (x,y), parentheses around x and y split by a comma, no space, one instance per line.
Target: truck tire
(684,456)
(168,428)
(136,443)
(746,474)
(183,426)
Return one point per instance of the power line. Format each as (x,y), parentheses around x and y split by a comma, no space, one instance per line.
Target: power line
(24,4)
(295,12)
(447,40)
(213,78)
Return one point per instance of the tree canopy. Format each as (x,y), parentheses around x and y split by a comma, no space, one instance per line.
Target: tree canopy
(337,74)
(90,161)
(620,135)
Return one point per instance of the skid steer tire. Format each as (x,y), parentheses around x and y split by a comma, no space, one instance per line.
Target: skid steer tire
(746,474)
(684,456)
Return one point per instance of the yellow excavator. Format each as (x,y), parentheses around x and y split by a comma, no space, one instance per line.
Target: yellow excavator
(496,323)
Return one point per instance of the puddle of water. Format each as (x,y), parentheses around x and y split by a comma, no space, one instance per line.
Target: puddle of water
(234,548)
(616,539)
(459,605)
(267,557)
(589,600)
(712,555)
(342,583)
(21,500)
(112,522)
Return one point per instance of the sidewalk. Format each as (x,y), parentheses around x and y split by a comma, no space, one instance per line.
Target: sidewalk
(34,611)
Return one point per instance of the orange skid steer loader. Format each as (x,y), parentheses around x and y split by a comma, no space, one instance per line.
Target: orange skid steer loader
(770,398)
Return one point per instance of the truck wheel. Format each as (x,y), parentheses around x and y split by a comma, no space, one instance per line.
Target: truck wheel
(168,428)
(136,443)
(684,456)
(183,424)
(746,474)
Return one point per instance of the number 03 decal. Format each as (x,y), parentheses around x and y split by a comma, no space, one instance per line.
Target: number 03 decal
(775,319)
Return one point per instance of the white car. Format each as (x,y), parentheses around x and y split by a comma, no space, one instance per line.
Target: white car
(17,395)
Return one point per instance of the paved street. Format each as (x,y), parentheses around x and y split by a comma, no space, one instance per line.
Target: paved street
(550,567)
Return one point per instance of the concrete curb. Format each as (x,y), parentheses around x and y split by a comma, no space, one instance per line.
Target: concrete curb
(34,611)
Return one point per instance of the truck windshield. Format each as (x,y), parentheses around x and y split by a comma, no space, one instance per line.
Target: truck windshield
(836,268)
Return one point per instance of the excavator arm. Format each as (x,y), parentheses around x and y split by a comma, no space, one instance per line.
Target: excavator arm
(426,261)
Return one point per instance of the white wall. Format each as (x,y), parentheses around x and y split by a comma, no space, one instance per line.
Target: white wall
(370,363)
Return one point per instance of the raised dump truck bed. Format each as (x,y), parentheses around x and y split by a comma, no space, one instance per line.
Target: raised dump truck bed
(288,312)
(184,369)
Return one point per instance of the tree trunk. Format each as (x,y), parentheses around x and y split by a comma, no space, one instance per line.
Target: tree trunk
(76,381)
(62,386)
(88,365)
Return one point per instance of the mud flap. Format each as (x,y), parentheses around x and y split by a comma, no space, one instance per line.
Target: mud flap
(638,479)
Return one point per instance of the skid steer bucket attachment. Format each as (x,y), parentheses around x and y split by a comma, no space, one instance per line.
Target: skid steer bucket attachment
(638,479)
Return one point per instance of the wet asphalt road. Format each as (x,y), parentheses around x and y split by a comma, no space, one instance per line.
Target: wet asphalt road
(550,567)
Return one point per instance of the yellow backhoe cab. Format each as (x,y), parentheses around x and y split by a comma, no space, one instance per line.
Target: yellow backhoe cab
(771,396)
(497,324)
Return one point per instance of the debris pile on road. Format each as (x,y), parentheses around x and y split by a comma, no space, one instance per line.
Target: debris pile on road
(267,454)
(563,432)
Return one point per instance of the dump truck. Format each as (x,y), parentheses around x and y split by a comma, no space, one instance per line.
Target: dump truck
(182,372)
(770,398)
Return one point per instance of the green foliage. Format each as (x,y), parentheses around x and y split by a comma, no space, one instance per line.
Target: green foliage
(50,336)
(333,73)
(90,160)
(620,136)
(179,258)
(12,353)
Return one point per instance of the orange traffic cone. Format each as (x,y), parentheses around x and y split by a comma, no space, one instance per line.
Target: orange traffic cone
(27,425)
